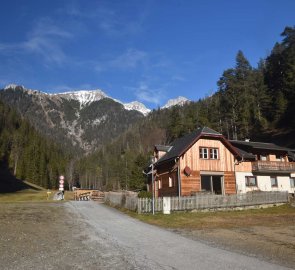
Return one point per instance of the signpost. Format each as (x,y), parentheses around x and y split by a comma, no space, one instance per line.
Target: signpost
(61,185)
(153,186)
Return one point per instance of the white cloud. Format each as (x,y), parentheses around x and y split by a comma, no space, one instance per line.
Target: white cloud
(45,40)
(130,59)
(146,94)
(178,78)
(106,17)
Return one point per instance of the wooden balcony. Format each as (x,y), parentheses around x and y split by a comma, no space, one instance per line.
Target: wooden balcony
(273,166)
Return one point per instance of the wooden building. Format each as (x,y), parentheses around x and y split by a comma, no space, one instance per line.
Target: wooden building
(202,161)
(205,161)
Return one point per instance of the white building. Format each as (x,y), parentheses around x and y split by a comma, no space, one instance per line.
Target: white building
(264,167)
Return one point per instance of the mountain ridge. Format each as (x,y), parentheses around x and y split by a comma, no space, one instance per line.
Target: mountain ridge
(87,96)
(83,119)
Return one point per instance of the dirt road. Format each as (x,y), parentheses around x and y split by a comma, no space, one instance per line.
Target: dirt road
(87,235)
(149,247)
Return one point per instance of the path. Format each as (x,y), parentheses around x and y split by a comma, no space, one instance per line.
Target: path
(143,246)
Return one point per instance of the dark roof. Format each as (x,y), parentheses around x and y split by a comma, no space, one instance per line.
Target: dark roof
(245,154)
(163,148)
(258,146)
(179,146)
(291,155)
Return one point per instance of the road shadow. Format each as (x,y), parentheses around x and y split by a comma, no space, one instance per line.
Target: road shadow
(8,182)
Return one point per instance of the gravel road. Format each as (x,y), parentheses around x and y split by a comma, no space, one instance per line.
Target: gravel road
(131,244)
(88,235)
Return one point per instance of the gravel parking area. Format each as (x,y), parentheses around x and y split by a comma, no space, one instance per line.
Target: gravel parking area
(49,236)
(87,235)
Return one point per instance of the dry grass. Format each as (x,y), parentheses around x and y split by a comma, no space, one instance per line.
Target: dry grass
(32,196)
(265,233)
(273,216)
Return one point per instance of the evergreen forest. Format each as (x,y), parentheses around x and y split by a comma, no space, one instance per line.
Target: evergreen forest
(29,155)
(250,102)
(257,103)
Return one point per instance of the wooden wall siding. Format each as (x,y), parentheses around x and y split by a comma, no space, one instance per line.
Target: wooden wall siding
(245,166)
(229,183)
(190,184)
(274,158)
(166,190)
(192,157)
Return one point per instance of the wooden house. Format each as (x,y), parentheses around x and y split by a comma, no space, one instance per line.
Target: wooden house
(202,161)
(205,161)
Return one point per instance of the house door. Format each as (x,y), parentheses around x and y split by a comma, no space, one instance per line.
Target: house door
(212,183)
(217,184)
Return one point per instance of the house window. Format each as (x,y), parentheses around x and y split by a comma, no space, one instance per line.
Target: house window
(213,153)
(292,182)
(279,158)
(160,184)
(209,153)
(206,183)
(203,152)
(274,181)
(212,184)
(251,181)
(170,182)
(263,157)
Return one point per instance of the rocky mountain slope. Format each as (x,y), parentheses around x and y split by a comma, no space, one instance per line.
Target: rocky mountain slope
(85,119)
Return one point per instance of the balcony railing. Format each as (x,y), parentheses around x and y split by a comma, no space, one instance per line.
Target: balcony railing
(273,166)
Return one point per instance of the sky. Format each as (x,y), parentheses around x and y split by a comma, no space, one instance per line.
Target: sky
(144,50)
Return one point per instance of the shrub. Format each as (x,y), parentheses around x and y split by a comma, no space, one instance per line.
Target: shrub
(145,194)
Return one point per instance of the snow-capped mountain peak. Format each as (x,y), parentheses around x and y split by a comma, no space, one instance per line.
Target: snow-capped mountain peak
(180,101)
(84,96)
(16,87)
(135,105)
(13,86)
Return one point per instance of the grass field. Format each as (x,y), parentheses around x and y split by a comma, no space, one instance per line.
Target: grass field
(267,233)
(228,219)
(30,195)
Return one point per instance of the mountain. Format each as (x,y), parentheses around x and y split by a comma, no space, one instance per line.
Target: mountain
(84,97)
(180,101)
(83,119)
(137,106)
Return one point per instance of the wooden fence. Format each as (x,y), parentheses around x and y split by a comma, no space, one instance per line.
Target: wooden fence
(87,194)
(123,199)
(198,202)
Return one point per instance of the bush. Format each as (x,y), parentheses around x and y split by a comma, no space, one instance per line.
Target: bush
(145,194)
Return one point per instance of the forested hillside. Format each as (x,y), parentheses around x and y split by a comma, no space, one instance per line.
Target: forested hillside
(27,154)
(250,102)
(82,121)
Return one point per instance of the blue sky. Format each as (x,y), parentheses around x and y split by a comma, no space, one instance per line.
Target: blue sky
(145,50)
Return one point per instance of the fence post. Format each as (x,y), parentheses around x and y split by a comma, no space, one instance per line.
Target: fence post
(138,206)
